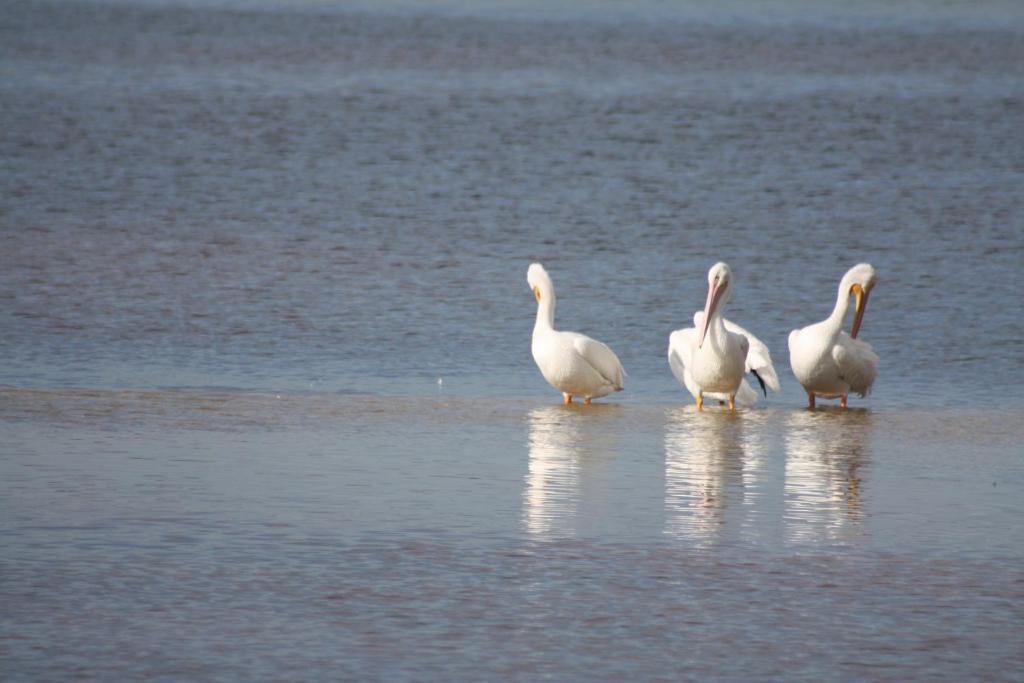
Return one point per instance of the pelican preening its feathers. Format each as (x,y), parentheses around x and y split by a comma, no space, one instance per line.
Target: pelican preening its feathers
(828,362)
(573,363)
(711,359)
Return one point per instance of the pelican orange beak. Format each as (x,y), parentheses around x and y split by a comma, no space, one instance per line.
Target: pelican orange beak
(860,305)
(714,294)
(536,292)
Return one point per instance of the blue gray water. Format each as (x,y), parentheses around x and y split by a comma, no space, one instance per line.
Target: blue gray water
(267,406)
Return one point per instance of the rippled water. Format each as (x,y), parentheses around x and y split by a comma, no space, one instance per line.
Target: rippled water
(267,406)
(240,535)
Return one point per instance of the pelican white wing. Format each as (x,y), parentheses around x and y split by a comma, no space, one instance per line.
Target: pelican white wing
(680,354)
(600,357)
(759,359)
(857,363)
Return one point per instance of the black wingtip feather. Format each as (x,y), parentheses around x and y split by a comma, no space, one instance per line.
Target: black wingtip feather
(761,382)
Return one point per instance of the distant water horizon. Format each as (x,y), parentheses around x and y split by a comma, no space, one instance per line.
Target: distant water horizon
(922,14)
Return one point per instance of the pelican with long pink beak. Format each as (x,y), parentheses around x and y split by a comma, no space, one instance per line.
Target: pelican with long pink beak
(712,358)
(828,362)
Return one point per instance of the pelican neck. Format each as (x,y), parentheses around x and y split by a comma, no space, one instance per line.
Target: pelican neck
(842,305)
(545,315)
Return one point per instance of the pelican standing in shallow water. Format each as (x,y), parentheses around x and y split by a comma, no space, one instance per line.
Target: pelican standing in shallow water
(828,362)
(573,363)
(711,358)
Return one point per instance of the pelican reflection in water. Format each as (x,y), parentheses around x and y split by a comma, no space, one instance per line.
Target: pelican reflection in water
(712,463)
(566,446)
(825,455)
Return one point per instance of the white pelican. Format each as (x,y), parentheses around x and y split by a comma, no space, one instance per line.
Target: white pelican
(573,363)
(712,363)
(827,361)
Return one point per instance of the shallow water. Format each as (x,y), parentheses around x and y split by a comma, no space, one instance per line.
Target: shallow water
(199,534)
(267,404)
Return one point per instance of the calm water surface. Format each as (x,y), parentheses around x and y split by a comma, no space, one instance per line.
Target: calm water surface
(267,407)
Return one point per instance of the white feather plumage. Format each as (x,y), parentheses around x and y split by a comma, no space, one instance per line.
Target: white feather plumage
(571,362)
(717,368)
(827,361)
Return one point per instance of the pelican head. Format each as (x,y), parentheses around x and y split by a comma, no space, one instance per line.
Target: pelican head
(719,287)
(540,283)
(858,282)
